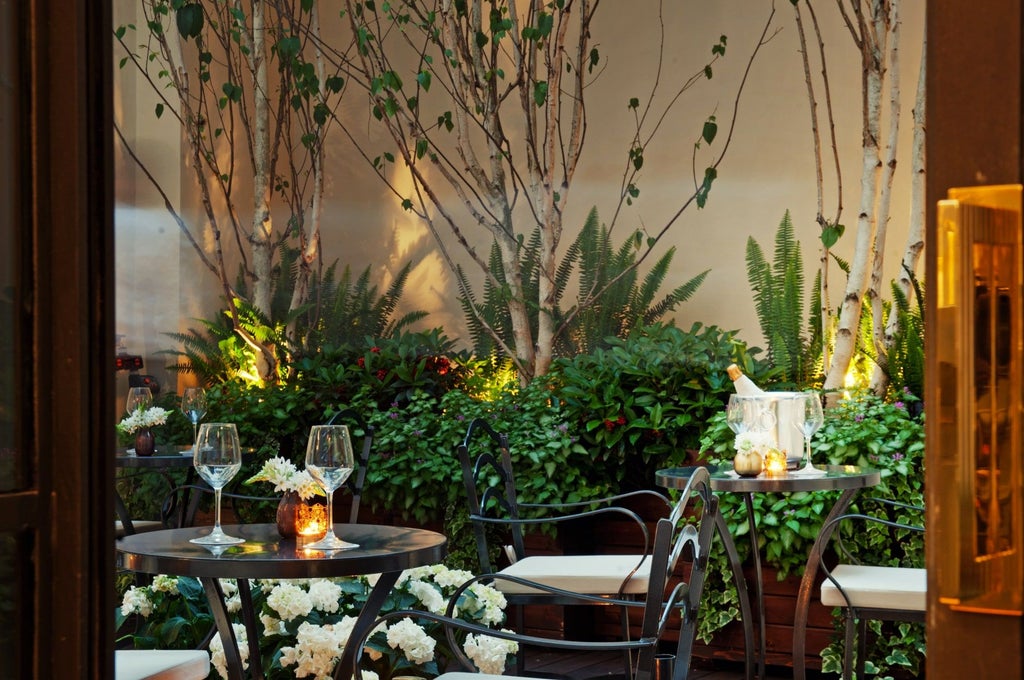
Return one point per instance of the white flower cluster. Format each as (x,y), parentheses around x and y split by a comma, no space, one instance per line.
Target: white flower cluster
(317,648)
(165,584)
(136,601)
(217,658)
(410,637)
(285,477)
(489,653)
(758,440)
(140,419)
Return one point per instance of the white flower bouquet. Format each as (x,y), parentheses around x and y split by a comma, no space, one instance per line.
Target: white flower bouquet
(754,440)
(305,624)
(142,419)
(285,477)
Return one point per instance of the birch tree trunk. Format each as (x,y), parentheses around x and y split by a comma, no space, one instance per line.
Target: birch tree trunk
(871,43)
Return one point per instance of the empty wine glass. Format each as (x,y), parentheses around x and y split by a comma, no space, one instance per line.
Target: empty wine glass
(139,398)
(809,417)
(217,457)
(193,405)
(736,414)
(329,460)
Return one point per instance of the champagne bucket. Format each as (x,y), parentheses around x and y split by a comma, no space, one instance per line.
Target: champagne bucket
(779,415)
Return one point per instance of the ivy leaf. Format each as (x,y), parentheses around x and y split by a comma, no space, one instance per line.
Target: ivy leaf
(540,93)
(159,110)
(190,20)
(595,58)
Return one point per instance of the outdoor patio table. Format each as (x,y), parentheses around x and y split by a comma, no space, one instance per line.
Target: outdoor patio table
(167,457)
(846,478)
(383,550)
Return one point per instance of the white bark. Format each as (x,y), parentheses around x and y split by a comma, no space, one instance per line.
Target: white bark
(872,54)
(879,379)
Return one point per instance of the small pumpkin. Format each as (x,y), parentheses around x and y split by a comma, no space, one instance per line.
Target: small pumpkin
(747,463)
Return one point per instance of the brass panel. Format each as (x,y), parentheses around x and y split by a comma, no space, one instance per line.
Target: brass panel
(979,326)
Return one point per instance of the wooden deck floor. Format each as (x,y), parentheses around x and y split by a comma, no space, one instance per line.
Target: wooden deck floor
(594,666)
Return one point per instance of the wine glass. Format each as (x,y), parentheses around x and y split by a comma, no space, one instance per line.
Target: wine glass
(809,417)
(139,398)
(217,457)
(193,405)
(329,460)
(736,414)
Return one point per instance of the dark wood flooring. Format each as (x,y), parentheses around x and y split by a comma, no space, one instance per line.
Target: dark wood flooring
(595,666)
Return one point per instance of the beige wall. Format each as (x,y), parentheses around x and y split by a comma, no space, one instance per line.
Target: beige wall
(769,169)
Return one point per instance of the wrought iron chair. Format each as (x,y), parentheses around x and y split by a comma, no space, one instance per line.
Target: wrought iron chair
(493,502)
(872,592)
(688,527)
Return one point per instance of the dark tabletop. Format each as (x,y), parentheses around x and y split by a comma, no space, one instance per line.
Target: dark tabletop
(723,479)
(167,455)
(266,555)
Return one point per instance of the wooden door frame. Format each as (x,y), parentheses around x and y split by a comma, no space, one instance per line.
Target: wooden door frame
(65,353)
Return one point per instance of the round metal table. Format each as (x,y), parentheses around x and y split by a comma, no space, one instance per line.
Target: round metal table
(383,550)
(846,478)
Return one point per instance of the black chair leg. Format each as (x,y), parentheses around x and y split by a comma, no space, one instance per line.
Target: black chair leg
(848,644)
(862,645)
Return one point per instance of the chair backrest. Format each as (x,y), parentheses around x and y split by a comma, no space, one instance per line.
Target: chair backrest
(688,529)
(486,499)
(355,483)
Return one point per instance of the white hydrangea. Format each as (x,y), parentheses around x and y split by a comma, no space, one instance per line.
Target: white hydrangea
(489,653)
(408,636)
(317,649)
(451,578)
(290,601)
(165,584)
(267,584)
(429,595)
(493,602)
(272,626)
(217,658)
(325,595)
(143,418)
(136,601)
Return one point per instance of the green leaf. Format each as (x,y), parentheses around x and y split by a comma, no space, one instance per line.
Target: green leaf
(595,59)
(540,92)
(830,235)
(707,71)
(190,20)
(424,79)
(334,83)
(710,130)
(705,188)
(159,110)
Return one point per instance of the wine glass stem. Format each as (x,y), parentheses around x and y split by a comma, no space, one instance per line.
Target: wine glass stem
(216,503)
(195,435)
(807,452)
(330,513)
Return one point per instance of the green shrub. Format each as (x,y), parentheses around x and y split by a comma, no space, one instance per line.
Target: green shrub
(643,403)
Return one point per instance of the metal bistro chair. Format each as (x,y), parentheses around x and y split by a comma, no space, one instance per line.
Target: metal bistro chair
(687,527)
(493,502)
(870,592)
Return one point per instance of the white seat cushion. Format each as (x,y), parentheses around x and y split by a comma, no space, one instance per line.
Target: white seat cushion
(161,664)
(877,587)
(590,574)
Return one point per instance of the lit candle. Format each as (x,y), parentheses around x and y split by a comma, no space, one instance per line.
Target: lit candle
(774,463)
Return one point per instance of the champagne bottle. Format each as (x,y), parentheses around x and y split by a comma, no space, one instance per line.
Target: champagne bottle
(743,384)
